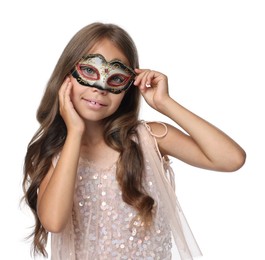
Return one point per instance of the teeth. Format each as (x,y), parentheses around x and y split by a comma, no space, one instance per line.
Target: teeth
(93,102)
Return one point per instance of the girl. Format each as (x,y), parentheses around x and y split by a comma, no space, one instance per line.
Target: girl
(95,176)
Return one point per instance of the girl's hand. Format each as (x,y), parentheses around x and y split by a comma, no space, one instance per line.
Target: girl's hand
(71,118)
(153,86)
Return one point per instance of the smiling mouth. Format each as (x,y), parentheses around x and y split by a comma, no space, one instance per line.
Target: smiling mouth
(95,103)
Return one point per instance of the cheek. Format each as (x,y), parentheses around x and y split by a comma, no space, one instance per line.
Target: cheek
(119,98)
(76,87)
(75,94)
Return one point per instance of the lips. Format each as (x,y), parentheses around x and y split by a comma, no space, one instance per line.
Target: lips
(95,103)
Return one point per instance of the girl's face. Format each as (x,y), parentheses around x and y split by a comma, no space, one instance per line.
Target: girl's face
(94,104)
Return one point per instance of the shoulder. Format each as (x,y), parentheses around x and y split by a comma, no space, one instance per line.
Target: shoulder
(155,128)
(170,140)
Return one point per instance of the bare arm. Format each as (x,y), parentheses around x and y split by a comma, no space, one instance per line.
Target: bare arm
(56,192)
(55,198)
(204,145)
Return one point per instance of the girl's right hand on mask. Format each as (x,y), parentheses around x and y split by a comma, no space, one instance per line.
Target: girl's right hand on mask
(73,121)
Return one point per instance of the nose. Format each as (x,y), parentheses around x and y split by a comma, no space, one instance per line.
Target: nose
(99,90)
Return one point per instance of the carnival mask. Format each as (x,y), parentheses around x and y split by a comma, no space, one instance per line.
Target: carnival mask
(94,71)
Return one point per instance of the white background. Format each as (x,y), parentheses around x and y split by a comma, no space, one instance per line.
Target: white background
(213,53)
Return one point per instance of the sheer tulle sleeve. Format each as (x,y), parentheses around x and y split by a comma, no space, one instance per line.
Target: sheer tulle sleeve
(164,177)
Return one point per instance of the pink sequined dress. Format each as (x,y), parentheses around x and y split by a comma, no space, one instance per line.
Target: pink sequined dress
(102,226)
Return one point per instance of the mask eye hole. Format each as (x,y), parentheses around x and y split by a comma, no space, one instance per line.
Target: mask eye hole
(117,80)
(88,71)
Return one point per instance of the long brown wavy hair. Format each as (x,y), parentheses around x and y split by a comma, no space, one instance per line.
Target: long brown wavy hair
(120,129)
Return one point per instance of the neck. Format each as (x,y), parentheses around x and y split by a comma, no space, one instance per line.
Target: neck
(93,134)
(94,147)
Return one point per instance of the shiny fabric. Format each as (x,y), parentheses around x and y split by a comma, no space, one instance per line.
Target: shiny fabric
(102,226)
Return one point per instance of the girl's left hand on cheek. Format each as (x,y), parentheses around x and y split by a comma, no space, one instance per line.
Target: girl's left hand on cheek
(153,86)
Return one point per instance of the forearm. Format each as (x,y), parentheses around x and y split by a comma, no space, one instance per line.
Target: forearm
(56,201)
(219,148)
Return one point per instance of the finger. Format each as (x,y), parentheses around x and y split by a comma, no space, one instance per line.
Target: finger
(147,79)
(67,92)
(152,77)
(62,91)
(138,71)
(64,86)
(141,79)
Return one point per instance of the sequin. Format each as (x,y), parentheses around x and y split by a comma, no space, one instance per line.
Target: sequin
(104,205)
(105,227)
(134,231)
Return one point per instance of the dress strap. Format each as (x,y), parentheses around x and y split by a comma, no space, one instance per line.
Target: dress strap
(147,126)
(150,130)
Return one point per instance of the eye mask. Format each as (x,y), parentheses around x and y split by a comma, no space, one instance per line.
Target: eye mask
(94,71)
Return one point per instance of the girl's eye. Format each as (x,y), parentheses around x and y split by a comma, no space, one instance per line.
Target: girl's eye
(117,80)
(89,72)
